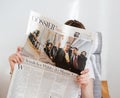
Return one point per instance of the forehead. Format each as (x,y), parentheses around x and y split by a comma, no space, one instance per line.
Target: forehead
(73,49)
(83,52)
(49,44)
(68,45)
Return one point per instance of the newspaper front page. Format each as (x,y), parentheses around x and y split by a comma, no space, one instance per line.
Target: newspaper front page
(54,55)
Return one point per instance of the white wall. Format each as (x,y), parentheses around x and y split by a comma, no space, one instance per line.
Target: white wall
(102,16)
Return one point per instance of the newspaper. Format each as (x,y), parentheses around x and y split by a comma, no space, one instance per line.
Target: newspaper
(34,79)
(56,44)
(54,55)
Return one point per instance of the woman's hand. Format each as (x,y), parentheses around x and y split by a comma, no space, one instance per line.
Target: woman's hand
(86,84)
(83,79)
(15,58)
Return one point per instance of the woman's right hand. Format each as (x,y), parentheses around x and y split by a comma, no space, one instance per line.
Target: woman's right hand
(15,58)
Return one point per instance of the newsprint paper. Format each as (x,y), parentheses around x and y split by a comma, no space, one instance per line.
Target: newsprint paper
(54,55)
(34,79)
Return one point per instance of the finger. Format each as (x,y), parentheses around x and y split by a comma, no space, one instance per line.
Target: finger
(85,71)
(82,81)
(18,60)
(19,57)
(12,58)
(12,67)
(12,61)
(82,77)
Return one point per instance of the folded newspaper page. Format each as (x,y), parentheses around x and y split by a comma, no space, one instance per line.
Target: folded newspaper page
(54,55)
(34,79)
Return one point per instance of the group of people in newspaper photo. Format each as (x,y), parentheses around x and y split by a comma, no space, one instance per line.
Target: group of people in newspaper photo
(67,57)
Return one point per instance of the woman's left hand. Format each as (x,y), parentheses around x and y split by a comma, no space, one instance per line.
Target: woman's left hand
(83,79)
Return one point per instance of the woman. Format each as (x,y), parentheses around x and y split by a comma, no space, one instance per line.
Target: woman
(84,80)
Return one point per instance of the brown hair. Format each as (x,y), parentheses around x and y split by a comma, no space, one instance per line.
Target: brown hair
(75,23)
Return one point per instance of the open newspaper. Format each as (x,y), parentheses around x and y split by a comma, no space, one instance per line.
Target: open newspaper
(54,55)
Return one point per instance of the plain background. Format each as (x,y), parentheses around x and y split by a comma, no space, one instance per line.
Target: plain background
(96,15)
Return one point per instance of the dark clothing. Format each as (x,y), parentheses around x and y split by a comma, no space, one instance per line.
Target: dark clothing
(60,59)
(32,38)
(81,62)
(53,53)
(47,51)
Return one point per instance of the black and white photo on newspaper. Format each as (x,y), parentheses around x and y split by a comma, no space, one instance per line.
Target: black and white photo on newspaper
(54,55)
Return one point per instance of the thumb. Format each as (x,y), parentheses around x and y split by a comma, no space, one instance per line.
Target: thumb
(85,71)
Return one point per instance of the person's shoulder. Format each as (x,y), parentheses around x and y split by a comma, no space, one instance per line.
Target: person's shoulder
(54,47)
(60,49)
(79,56)
(45,48)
